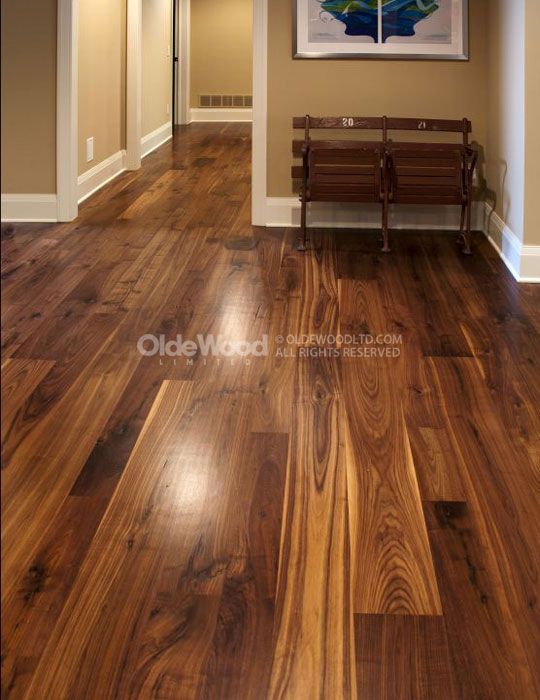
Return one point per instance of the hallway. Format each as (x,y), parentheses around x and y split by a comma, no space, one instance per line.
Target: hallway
(325,524)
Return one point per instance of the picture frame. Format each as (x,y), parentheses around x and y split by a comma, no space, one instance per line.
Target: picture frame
(381,29)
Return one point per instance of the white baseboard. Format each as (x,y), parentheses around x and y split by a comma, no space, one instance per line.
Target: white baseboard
(97,177)
(29,207)
(156,138)
(221,115)
(285,211)
(94,179)
(523,261)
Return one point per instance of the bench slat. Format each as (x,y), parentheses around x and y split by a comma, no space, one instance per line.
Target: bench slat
(421,168)
(345,178)
(334,197)
(429,180)
(367,146)
(352,167)
(422,197)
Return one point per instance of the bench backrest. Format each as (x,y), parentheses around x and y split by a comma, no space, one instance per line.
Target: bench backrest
(431,172)
(345,174)
(384,125)
(426,172)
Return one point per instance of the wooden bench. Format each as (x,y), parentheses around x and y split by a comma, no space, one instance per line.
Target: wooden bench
(385,172)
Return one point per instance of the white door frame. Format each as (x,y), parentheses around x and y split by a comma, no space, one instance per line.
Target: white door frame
(67,99)
(260,113)
(66,110)
(183,34)
(134,85)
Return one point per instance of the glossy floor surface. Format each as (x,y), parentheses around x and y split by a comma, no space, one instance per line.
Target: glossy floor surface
(340,517)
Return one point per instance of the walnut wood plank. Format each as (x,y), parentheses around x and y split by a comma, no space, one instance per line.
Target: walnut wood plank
(502,498)
(314,655)
(139,514)
(246,612)
(19,379)
(393,569)
(46,464)
(405,657)
(488,656)
(437,465)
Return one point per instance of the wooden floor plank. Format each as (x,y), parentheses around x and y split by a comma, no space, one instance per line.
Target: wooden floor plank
(19,380)
(436,464)
(246,613)
(393,569)
(46,464)
(501,486)
(488,656)
(314,655)
(119,573)
(403,657)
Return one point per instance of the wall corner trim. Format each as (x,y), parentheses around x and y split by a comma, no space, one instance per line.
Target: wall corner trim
(523,261)
(30,208)
(156,138)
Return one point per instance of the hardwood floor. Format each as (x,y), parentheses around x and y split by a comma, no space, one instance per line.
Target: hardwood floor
(320,525)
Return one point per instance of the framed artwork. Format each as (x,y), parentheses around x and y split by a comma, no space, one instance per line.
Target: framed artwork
(414,29)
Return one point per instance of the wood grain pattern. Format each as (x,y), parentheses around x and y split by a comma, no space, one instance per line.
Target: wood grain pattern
(19,379)
(489,659)
(302,525)
(403,657)
(437,465)
(314,626)
(393,571)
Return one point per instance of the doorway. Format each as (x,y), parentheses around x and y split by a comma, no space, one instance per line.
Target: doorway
(67,91)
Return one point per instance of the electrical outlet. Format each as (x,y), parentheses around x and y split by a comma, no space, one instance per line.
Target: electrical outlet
(89,149)
(168,108)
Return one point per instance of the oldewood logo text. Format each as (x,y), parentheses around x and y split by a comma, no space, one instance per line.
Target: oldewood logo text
(205,345)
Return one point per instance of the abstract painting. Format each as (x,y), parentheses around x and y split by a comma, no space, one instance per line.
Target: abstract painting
(429,29)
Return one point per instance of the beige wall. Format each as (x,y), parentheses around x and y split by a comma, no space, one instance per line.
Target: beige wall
(29,96)
(102,78)
(532,124)
(156,64)
(506,137)
(221,47)
(396,88)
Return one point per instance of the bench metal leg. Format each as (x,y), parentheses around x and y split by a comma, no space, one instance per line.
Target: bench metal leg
(462,222)
(386,243)
(465,228)
(467,236)
(302,242)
